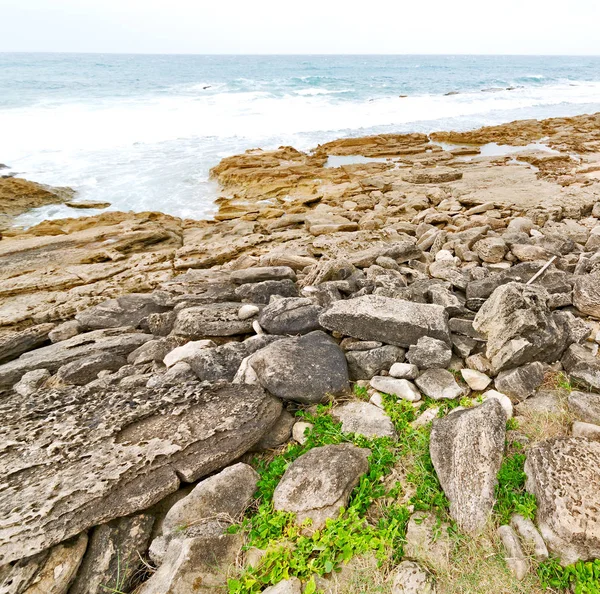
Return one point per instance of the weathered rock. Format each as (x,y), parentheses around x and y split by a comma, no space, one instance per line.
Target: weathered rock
(278,434)
(290,316)
(503,399)
(299,431)
(187,351)
(466,449)
(213,505)
(435,175)
(319,483)
(440,384)
(522,382)
(113,555)
(154,351)
(404,371)
(515,557)
(475,379)
(83,371)
(262,292)
(365,419)
(530,536)
(585,406)
(491,249)
(397,387)
(429,353)
(588,430)
(180,373)
(364,365)
(291,586)
(128,310)
(392,321)
(195,565)
(427,540)
(586,294)
(580,364)
(14,344)
(520,327)
(104,453)
(118,341)
(410,578)
(564,476)
(259,274)
(65,331)
(31,382)
(214,319)
(304,369)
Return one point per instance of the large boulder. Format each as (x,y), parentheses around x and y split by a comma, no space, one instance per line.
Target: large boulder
(564,476)
(520,328)
(586,294)
(392,321)
(466,450)
(304,369)
(89,455)
(318,484)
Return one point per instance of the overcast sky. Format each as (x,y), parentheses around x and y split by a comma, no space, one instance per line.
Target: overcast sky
(306,26)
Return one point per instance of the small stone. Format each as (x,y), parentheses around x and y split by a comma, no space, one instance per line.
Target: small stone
(502,399)
(491,249)
(364,364)
(429,353)
(404,371)
(248,311)
(83,371)
(475,379)
(440,384)
(586,294)
(410,578)
(530,536)
(291,586)
(426,417)
(515,557)
(278,434)
(377,400)
(298,431)
(65,331)
(397,387)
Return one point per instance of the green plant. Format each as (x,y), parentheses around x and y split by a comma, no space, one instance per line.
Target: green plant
(361,392)
(512,424)
(582,577)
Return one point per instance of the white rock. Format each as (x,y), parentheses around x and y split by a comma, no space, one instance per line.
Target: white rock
(475,379)
(444,256)
(398,387)
(298,431)
(410,578)
(404,371)
(503,399)
(291,586)
(187,351)
(426,417)
(530,536)
(247,311)
(377,400)
(589,430)
(515,558)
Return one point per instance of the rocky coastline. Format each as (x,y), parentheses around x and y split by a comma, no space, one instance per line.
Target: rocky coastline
(364,375)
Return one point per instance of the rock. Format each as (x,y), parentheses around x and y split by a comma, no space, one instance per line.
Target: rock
(299,430)
(212,505)
(466,449)
(86,204)
(589,430)
(128,310)
(563,474)
(248,311)
(291,586)
(427,540)
(65,331)
(114,555)
(31,382)
(392,321)
(397,387)
(260,274)
(435,175)
(305,369)
(585,406)
(546,402)
(363,365)
(290,316)
(586,294)
(105,453)
(410,578)
(475,379)
(503,399)
(278,434)
(520,327)
(404,371)
(581,365)
(515,557)
(522,382)
(198,564)
(83,371)
(425,418)
(440,384)
(319,483)
(214,319)
(154,351)
(14,344)
(429,353)
(491,249)
(180,373)
(187,351)
(530,536)
(118,341)
(364,419)
(160,324)
(262,292)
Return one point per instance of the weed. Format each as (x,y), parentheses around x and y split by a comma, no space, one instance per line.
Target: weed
(361,392)
(582,577)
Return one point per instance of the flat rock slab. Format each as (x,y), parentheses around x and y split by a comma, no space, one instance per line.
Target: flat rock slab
(466,450)
(81,457)
(13,344)
(392,321)
(365,419)
(564,476)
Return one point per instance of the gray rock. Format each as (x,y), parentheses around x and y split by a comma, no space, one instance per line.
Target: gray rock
(580,364)
(365,419)
(214,504)
(198,564)
(248,311)
(530,536)
(127,310)
(262,292)
(363,365)
(31,382)
(214,319)
(563,474)
(520,383)
(180,373)
(154,351)
(429,353)
(278,434)
(585,406)
(291,586)
(404,371)
(160,324)
(465,327)
(428,540)
(546,402)
(586,294)
(588,430)
(259,274)
(449,272)
(290,316)
(83,371)
(184,352)
(65,331)
(113,555)
(14,344)
(463,346)
(515,558)
(520,328)
(118,341)
(397,387)
(305,369)
(440,384)
(101,454)
(410,578)
(466,449)
(392,321)
(319,483)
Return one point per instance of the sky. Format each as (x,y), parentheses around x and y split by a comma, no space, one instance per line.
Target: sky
(305,27)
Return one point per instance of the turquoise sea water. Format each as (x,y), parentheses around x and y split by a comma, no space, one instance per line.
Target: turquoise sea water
(142,132)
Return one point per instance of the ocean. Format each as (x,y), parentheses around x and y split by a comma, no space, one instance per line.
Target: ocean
(143,131)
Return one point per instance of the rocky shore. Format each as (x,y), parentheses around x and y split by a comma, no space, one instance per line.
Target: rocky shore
(368,376)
